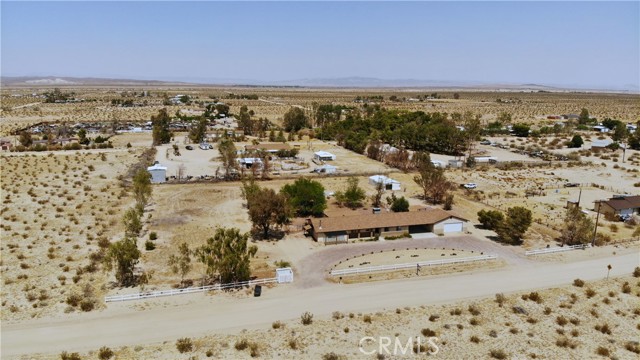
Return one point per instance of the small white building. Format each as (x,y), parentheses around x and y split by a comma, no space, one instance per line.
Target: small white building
(325,169)
(158,173)
(250,162)
(486,159)
(324,156)
(284,275)
(389,184)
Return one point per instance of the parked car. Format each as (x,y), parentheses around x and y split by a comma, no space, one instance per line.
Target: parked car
(571,185)
(189,147)
(470,185)
(485,142)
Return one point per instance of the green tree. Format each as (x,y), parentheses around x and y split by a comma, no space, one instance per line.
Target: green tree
(25,139)
(578,227)
(199,130)
(181,263)
(160,124)
(268,210)
(244,120)
(620,132)
(490,219)
(142,188)
(295,119)
(400,205)
(132,224)
(504,118)
(432,180)
(306,197)
(515,225)
(584,117)
(576,141)
(228,155)
(227,255)
(123,256)
(82,137)
(353,196)
(472,129)
(521,130)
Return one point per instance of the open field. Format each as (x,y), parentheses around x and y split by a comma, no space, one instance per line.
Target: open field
(274,102)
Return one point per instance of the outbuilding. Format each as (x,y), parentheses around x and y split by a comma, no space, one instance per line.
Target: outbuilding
(325,169)
(284,275)
(389,184)
(158,173)
(324,156)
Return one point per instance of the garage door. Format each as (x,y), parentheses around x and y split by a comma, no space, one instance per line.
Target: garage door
(455,227)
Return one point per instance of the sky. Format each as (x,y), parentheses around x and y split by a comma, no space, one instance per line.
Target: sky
(581,44)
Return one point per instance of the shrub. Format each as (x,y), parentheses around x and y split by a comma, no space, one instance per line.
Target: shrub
(604,328)
(547,310)
(153,236)
(633,346)
(474,310)
(636,271)
(74,299)
(306,318)
(455,311)
(626,288)
(433,318)
(500,299)
(474,339)
(578,283)
(184,345)
(565,342)
(294,344)
(105,353)
(498,354)
(428,332)
(534,296)
(561,320)
(367,319)
(590,292)
(73,356)
(254,350)
(241,344)
(149,245)
(87,305)
(331,356)
(337,315)
(276,325)
(474,321)
(603,351)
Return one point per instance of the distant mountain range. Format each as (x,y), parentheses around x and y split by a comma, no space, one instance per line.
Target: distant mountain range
(345,82)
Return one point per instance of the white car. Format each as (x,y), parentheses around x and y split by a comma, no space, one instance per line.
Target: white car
(470,185)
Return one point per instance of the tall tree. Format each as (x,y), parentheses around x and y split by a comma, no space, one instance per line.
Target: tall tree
(620,132)
(198,130)
(132,224)
(25,139)
(227,255)
(123,255)
(515,225)
(376,199)
(295,119)
(268,210)
(584,117)
(432,180)
(472,131)
(578,227)
(160,125)
(142,188)
(181,263)
(244,120)
(228,155)
(306,197)
(352,196)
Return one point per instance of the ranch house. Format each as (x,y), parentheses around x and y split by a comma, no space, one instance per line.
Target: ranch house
(341,229)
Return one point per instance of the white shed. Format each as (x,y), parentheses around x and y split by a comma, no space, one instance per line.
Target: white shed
(324,156)
(284,275)
(486,159)
(325,169)
(158,173)
(389,184)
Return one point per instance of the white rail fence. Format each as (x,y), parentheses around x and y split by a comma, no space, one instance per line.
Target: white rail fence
(556,249)
(362,270)
(160,293)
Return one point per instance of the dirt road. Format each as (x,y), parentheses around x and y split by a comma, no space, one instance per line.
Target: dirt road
(120,325)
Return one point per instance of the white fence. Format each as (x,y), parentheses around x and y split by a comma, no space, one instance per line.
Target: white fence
(556,249)
(159,293)
(369,269)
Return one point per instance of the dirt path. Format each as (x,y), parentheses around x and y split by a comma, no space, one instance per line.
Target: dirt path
(313,269)
(119,325)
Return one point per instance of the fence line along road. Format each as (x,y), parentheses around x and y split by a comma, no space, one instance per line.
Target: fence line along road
(369,269)
(159,293)
(556,249)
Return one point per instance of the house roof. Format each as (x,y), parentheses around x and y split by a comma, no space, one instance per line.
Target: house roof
(324,154)
(385,219)
(156,167)
(628,202)
(383,179)
(268,147)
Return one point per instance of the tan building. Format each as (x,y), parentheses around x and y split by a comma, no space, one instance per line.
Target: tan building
(345,228)
(619,206)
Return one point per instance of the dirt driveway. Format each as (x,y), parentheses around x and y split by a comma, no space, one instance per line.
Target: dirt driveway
(312,269)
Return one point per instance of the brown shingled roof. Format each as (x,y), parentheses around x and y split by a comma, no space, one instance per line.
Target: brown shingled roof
(629,202)
(382,220)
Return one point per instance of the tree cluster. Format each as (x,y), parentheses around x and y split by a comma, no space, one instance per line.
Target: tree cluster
(510,228)
(160,125)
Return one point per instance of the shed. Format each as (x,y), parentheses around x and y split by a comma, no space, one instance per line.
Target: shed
(158,173)
(284,275)
(455,163)
(324,156)
(389,184)
(486,159)
(249,162)
(325,169)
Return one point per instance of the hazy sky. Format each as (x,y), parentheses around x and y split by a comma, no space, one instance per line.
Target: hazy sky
(569,43)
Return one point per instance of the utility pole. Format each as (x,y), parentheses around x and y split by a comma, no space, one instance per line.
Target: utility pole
(595,229)
(579,196)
